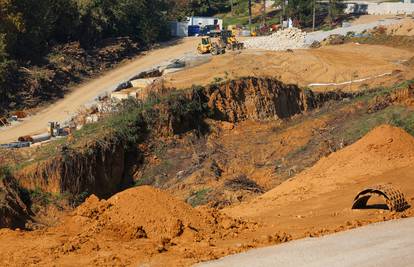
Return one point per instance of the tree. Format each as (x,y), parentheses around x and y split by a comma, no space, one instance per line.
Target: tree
(250,14)
(335,9)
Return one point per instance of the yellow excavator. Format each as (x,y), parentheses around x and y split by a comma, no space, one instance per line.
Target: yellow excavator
(208,46)
(228,39)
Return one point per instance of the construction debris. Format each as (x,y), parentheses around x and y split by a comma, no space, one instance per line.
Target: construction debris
(334,39)
(291,38)
(394,198)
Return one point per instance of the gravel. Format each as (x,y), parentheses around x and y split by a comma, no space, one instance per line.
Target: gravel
(321,35)
(294,38)
(291,38)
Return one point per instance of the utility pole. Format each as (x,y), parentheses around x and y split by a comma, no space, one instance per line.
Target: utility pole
(250,14)
(264,12)
(231,7)
(314,15)
(282,14)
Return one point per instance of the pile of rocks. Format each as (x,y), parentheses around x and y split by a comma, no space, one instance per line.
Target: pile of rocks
(291,38)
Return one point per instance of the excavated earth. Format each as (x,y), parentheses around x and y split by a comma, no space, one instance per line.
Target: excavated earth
(143,225)
(260,161)
(249,151)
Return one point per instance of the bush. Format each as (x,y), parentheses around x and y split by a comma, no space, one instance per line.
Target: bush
(242,182)
(5,172)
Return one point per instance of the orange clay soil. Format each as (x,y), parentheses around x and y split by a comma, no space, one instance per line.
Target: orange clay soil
(145,225)
(331,64)
(323,194)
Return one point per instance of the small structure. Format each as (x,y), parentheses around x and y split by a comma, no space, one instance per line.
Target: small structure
(192,25)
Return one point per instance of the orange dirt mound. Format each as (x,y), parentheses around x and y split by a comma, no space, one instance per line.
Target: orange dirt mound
(384,149)
(146,212)
(143,212)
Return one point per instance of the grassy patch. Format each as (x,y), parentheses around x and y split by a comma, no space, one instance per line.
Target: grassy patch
(199,197)
(387,40)
(154,176)
(5,172)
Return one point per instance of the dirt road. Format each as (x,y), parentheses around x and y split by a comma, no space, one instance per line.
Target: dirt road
(383,244)
(331,64)
(87,92)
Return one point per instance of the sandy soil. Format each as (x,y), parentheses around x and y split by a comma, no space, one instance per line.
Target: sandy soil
(147,226)
(85,93)
(325,65)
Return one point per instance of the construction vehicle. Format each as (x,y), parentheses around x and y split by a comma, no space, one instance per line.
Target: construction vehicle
(208,46)
(228,40)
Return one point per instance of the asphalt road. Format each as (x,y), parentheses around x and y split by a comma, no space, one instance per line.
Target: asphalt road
(380,245)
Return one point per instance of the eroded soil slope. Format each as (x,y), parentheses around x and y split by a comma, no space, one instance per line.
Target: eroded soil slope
(146,225)
(322,195)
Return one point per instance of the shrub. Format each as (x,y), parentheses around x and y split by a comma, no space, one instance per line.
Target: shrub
(242,182)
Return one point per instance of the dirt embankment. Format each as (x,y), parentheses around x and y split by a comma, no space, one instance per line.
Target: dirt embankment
(98,168)
(147,226)
(13,211)
(384,150)
(103,166)
(263,99)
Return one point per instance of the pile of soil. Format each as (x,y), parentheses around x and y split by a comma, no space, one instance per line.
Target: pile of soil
(384,149)
(148,213)
(144,212)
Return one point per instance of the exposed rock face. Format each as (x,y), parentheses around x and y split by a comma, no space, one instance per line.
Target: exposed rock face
(262,99)
(13,211)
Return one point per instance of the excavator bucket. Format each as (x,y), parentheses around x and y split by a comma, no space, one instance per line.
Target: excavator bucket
(394,198)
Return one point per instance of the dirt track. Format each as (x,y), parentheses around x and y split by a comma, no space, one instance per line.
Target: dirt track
(325,65)
(84,94)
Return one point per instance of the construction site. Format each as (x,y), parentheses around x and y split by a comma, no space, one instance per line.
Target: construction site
(210,146)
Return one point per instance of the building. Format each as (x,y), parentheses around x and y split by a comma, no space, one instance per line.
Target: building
(192,25)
